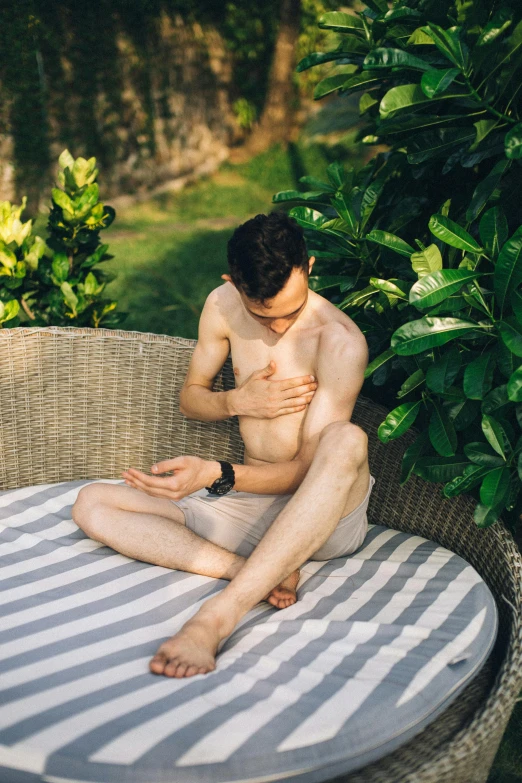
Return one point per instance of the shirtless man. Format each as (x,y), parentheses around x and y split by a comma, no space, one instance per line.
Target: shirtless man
(303,489)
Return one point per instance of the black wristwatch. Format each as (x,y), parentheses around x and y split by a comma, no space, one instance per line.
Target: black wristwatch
(225,482)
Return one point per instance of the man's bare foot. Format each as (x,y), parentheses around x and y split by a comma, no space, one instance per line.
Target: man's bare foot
(191,651)
(284,593)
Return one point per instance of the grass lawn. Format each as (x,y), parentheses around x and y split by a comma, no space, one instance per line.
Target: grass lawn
(170,253)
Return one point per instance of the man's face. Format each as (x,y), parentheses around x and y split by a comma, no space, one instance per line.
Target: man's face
(284,309)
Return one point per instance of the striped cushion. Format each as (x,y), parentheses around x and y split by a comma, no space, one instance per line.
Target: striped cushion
(377,645)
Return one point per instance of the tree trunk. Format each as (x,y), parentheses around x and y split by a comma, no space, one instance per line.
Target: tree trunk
(275,124)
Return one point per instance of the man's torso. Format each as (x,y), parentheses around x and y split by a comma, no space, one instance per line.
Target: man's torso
(295,353)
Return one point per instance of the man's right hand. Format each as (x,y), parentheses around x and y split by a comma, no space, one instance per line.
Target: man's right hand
(263,398)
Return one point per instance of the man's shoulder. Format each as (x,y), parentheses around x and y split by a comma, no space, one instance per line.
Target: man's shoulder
(340,339)
(222,295)
(218,305)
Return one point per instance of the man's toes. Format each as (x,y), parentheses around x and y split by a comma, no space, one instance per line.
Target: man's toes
(157,664)
(171,667)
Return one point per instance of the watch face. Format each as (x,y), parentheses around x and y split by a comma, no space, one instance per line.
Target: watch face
(223,486)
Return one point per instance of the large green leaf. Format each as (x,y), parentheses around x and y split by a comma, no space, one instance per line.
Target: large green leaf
(463,413)
(495,487)
(483,129)
(441,374)
(506,360)
(513,142)
(396,288)
(426,261)
(452,234)
(318,58)
(411,455)
(60,267)
(493,230)
(440,469)
(485,516)
(442,432)
(508,269)
(516,304)
(514,386)
(478,376)
(405,124)
(337,227)
(338,176)
(435,81)
(417,336)
(299,195)
(511,333)
(362,81)
(483,193)
(389,58)
(449,306)
(340,22)
(378,362)
(390,241)
(405,96)
(308,218)
(437,142)
(322,282)
(450,44)
(415,380)
(499,22)
(358,298)
(69,296)
(496,399)
(8,310)
(62,199)
(342,204)
(437,286)
(482,454)
(398,421)
(470,477)
(331,84)
(495,434)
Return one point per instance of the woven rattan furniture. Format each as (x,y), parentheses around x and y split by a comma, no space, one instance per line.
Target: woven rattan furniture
(87,403)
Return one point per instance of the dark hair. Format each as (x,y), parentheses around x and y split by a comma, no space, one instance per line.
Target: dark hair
(262,253)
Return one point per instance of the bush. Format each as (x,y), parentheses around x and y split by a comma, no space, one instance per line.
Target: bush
(423,246)
(53,281)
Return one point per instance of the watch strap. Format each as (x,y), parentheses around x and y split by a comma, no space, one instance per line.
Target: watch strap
(225,482)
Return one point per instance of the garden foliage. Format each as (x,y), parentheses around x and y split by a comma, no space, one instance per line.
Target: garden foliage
(423,246)
(57,281)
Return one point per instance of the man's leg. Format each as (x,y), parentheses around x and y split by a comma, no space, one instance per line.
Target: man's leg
(305,523)
(153,530)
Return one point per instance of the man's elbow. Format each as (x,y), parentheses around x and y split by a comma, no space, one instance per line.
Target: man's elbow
(302,464)
(183,408)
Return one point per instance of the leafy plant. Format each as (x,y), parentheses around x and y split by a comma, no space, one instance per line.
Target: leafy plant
(53,281)
(423,246)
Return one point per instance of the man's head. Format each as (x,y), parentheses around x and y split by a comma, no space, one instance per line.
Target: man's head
(269,266)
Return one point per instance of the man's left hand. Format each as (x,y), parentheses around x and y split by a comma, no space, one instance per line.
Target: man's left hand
(190,474)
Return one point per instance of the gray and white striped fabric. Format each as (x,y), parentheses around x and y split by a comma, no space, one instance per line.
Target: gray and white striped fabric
(377,645)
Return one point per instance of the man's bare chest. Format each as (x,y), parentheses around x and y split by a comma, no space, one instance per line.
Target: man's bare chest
(292,357)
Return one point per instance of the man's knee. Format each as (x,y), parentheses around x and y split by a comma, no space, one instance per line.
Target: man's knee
(85,511)
(347,441)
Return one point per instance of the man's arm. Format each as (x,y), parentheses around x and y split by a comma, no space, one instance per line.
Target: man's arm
(197,400)
(341,363)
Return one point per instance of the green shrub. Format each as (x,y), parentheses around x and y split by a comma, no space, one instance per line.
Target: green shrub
(423,246)
(54,281)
